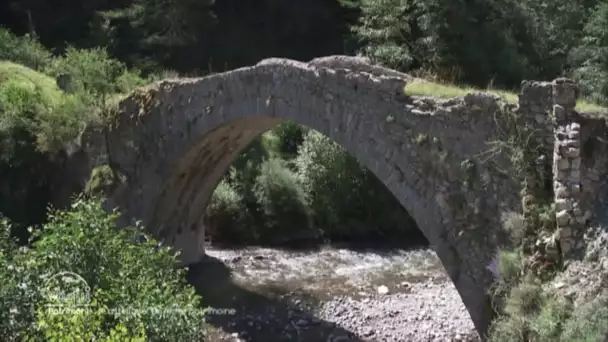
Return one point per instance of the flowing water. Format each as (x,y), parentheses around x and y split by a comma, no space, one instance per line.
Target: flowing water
(330,294)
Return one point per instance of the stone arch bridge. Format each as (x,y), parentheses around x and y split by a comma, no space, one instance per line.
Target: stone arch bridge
(172,142)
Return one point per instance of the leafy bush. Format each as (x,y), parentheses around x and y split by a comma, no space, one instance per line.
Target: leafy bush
(591,56)
(528,312)
(37,119)
(94,73)
(281,199)
(102,180)
(16,316)
(25,50)
(289,136)
(588,323)
(532,314)
(227,216)
(32,107)
(136,291)
(346,199)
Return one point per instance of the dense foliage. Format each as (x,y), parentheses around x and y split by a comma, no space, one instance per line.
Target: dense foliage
(319,191)
(475,42)
(129,286)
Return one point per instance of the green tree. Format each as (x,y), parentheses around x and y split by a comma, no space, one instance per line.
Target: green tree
(459,41)
(147,33)
(591,56)
(346,200)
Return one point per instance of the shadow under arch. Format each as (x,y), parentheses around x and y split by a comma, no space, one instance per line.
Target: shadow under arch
(174,140)
(258,316)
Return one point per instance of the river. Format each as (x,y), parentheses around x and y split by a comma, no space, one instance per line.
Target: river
(330,294)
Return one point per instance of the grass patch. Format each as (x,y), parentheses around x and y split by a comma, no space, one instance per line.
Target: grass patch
(446,91)
(32,79)
(33,107)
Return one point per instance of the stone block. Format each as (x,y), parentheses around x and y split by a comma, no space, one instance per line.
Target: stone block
(574,134)
(559,112)
(565,92)
(563,164)
(572,152)
(571,143)
(563,217)
(575,176)
(574,127)
(562,204)
(561,191)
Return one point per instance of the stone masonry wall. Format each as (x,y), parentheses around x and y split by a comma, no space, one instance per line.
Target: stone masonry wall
(570,217)
(569,165)
(535,136)
(173,141)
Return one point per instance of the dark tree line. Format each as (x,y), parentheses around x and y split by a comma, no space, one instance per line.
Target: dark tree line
(471,41)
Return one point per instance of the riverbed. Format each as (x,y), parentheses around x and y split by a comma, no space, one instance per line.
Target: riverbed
(330,294)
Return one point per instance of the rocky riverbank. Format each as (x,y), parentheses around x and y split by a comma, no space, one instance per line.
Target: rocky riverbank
(330,294)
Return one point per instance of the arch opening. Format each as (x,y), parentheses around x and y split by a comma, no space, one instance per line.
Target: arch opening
(190,186)
(282,192)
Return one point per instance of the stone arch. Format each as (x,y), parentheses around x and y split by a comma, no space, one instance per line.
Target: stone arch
(174,140)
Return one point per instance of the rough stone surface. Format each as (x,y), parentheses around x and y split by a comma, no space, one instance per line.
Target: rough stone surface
(580,162)
(173,141)
(585,280)
(566,169)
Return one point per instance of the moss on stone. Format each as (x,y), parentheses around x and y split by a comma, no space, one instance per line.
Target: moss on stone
(102,181)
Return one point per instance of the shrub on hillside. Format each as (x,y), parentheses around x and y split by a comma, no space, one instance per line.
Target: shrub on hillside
(94,73)
(37,119)
(528,312)
(588,323)
(136,291)
(25,50)
(532,314)
(34,114)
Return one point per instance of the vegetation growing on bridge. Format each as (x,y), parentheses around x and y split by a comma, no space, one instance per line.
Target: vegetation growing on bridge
(421,87)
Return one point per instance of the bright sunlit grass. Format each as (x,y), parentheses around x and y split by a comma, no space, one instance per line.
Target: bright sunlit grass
(446,91)
(23,76)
